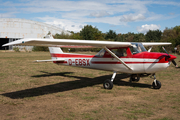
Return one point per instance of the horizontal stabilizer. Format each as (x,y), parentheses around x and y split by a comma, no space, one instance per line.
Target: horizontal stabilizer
(51,60)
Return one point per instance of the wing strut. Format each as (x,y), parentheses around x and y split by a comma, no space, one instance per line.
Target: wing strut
(117,58)
(150,49)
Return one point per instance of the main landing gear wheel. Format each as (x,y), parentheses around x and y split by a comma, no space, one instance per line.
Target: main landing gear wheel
(134,78)
(108,84)
(156,85)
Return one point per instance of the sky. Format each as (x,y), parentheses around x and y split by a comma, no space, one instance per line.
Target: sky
(121,16)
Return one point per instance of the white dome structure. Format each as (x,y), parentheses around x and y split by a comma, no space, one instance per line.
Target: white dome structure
(14,28)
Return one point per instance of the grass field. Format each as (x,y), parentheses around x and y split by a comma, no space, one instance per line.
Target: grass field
(47,91)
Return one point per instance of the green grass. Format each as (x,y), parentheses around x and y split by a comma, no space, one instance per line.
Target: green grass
(49,91)
(131,117)
(143,112)
(9,114)
(89,97)
(165,118)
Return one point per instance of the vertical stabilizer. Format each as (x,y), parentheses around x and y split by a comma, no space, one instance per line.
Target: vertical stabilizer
(53,50)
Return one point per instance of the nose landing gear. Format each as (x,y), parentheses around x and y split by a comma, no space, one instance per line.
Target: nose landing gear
(156,84)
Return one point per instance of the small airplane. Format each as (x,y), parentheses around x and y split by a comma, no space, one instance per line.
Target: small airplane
(124,57)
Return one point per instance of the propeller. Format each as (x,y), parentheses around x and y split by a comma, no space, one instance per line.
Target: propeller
(166,51)
(170,57)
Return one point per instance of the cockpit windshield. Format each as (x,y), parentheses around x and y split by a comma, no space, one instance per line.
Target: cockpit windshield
(137,48)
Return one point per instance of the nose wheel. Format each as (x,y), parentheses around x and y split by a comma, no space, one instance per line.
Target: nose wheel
(156,84)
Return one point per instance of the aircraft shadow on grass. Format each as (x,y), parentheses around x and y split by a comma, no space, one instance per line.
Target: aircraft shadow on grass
(81,82)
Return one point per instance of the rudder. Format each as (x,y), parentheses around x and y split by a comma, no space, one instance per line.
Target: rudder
(53,50)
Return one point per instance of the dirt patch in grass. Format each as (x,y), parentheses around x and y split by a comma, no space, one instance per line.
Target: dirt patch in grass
(47,91)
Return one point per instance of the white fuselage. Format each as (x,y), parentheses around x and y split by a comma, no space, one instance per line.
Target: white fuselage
(139,65)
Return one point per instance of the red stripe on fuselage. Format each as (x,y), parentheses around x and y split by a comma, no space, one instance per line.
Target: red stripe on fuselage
(143,55)
(104,62)
(72,56)
(149,55)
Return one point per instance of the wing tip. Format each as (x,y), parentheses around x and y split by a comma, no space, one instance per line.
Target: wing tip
(155,43)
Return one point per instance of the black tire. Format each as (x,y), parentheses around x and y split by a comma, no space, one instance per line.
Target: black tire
(158,85)
(134,78)
(108,84)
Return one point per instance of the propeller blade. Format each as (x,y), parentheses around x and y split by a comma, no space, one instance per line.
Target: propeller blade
(166,51)
(170,57)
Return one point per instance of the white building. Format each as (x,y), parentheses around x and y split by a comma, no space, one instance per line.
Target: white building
(12,29)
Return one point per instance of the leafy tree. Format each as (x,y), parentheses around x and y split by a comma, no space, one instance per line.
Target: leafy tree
(110,35)
(140,37)
(130,37)
(176,38)
(119,38)
(90,33)
(177,29)
(125,37)
(153,36)
(63,36)
(77,36)
(171,35)
(40,48)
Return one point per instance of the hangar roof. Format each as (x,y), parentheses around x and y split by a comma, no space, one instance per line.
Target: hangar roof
(23,28)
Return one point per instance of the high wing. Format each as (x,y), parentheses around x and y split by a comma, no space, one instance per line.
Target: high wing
(154,43)
(60,42)
(75,43)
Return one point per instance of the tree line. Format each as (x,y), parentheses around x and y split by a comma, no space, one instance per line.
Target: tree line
(92,33)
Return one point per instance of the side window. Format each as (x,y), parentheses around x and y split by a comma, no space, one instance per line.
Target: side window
(100,53)
(120,52)
(134,50)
